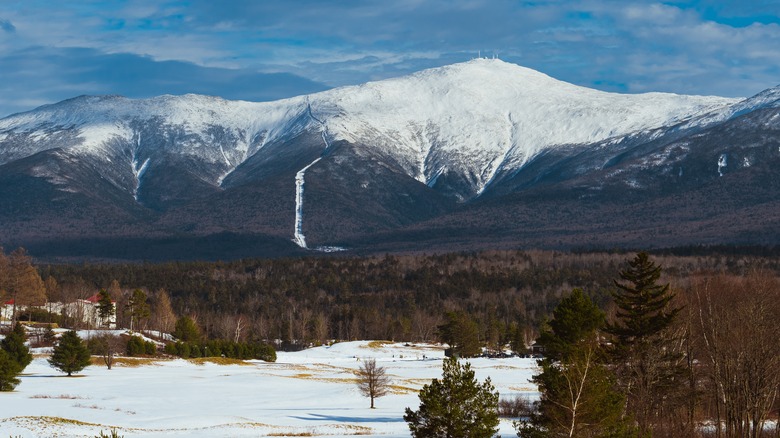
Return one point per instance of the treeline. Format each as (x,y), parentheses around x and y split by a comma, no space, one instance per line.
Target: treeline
(698,360)
(507,294)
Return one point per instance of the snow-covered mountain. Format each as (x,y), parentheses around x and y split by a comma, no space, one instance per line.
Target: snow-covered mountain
(470,121)
(351,161)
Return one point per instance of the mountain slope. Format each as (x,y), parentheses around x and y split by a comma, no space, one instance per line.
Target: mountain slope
(483,145)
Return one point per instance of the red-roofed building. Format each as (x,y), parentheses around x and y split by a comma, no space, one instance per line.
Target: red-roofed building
(6,310)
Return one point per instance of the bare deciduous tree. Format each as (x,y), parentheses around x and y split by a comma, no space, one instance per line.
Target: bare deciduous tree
(163,315)
(372,380)
(24,285)
(739,323)
(108,346)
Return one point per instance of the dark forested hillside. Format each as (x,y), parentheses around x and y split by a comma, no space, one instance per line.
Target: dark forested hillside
(306,300)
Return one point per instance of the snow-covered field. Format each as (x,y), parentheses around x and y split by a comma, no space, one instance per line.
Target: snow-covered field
(306,393)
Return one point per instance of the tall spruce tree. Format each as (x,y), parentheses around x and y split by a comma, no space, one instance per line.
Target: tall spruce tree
(9,370)
(13,344)
(578,394)
(70,355)
(105,306)
(457,406)
(187,330)
(643,306)
(137,308)
(462,335)
(648,367)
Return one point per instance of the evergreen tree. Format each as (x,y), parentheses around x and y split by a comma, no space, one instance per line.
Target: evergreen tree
(643,306)
(105,306)
(9,370)
(13,344)
(578,396)
(462,335)
(49,337)
(645,358)
(137,307)
(457,406)
(70,355)
(575,319)
(186,330)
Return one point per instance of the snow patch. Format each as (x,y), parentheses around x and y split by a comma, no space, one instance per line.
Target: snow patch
(722,162)
(298,236)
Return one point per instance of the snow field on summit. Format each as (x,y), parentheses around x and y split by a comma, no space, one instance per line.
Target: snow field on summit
(475,119)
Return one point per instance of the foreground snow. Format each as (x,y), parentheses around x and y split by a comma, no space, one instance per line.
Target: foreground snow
(310,393)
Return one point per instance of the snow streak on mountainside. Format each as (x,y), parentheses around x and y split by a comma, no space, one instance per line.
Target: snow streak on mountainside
(298,236)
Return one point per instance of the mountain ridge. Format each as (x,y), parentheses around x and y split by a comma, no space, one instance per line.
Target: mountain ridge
(337,167)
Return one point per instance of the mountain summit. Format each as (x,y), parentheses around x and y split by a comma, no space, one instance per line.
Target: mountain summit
(340,166)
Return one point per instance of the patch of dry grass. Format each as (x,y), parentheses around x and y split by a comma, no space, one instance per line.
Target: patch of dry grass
(527,388)
(219,361)
(60,420)
(290,434)
(131,362)
(58,397)
(399,390)
(377,344)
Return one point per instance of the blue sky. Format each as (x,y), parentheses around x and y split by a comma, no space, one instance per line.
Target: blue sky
(263,50)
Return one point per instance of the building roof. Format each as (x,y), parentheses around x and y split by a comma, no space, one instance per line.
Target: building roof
(94,299)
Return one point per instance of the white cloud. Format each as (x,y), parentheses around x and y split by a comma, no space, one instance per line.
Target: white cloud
(610,44)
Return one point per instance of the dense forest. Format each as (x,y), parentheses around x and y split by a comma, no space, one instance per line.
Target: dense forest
(304,301)
(660,344)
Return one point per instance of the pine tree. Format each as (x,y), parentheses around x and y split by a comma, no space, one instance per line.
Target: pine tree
(462,335)
(137,307)
(186,330)
(70,355)
(576,318)
(578,396)
(9,370)
(457,406)
(644,355)
(644,307)
(13,344)
(105,306)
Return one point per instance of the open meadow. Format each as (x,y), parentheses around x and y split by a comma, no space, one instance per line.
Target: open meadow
(306,393)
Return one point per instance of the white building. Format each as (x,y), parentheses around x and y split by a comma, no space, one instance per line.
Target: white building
(85,310)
